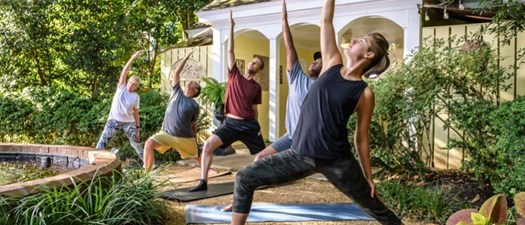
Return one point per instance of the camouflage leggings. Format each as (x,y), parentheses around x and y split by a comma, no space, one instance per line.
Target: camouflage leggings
(131,132)
(287,166)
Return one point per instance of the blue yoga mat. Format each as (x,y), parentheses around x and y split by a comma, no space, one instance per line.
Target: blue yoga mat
(210,214)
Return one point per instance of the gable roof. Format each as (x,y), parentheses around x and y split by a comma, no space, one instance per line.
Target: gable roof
(221,4)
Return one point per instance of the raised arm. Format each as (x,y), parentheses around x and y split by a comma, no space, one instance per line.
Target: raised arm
(329,51)
(365,108)
(231,54)
(175,72)
(124,73)
(291,53)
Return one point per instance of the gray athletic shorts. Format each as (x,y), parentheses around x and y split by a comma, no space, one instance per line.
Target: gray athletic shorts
(283,143)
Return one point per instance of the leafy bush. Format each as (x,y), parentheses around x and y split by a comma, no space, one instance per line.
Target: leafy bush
(508,124)
(462,83)
(424,203)
(129,198)
(58,116)
(16,118)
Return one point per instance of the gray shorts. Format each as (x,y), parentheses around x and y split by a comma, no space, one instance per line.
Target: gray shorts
(283,143)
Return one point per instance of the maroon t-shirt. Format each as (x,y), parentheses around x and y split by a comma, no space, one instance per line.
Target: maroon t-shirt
(241,95)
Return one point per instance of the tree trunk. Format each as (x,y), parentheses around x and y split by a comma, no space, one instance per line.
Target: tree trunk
(40,70)
(94,89)
(152,67)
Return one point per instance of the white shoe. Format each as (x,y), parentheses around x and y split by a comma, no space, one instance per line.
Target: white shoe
(114,150)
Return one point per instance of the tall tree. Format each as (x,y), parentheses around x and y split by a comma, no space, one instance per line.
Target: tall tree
(98,40)
(186,13)
(82,44)
(160,20)
(27,43)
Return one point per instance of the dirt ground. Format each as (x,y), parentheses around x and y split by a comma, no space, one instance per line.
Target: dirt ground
(303,191)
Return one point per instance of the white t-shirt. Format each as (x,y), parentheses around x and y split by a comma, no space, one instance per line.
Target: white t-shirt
(123,104)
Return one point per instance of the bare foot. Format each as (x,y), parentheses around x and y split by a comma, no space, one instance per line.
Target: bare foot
(227,208)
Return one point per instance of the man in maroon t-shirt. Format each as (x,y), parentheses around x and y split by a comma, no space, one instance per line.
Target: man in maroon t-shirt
(243,94)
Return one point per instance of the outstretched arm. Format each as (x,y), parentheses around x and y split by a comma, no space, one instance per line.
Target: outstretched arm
(329,49)
(175,73)
(365,108)
(124,73)
(231,54)
(291,53)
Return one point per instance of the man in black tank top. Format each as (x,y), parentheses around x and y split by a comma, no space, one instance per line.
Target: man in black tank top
(320,142)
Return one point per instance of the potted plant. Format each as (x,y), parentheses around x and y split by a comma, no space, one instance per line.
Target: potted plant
(214,94)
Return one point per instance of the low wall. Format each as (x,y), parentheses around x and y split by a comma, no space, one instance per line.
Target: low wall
(99,163)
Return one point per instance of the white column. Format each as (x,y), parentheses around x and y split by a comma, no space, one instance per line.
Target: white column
(217,55)
(412,31)
(273,118)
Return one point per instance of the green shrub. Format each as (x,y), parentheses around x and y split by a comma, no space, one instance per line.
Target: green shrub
(423,203)
(16,121)
(129,198)
(458,86)
(508,123)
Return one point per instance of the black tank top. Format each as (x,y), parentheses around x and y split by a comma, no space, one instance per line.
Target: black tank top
(321,131)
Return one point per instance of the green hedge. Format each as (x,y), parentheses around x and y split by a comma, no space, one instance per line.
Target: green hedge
(54,116)
(508,122)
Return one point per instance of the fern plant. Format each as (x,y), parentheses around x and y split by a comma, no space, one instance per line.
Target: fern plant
(213,94)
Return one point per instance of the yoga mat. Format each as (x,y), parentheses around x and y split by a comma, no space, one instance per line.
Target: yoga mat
(191,175)
(265,212)
(183,195)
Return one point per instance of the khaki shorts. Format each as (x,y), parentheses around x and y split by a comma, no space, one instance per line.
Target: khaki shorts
(187,147)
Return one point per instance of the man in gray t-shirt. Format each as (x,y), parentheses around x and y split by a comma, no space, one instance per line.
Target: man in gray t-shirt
(180,121)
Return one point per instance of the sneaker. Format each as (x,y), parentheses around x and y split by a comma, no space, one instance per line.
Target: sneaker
(114,150)
(202,186)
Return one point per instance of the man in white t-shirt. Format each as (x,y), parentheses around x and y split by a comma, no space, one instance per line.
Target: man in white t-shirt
(124,113)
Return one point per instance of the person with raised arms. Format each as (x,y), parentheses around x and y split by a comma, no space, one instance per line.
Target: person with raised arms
(298,83)
(243,94)
(179,128)
(320,141)
(124,112)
